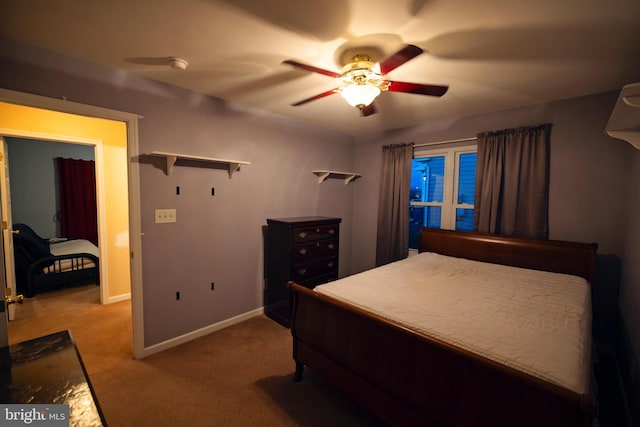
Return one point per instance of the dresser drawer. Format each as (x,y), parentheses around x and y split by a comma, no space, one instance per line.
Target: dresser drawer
(320,248)
(304,234)
(309,270)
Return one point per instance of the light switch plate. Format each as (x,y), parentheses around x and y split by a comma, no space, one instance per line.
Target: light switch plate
(165,215)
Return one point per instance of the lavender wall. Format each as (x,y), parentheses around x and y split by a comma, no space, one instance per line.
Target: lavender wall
(216,238)
(219,238)
(593,190)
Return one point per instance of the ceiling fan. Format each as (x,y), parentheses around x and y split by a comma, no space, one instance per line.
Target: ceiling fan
(363,80)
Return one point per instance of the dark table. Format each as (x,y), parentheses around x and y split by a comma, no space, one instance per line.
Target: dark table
(49,370)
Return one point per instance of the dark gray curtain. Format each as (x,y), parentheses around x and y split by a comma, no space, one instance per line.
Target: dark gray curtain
(393,208)
(512,182)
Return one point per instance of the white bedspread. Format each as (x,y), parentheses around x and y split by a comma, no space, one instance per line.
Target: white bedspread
(537,322)
(73,246)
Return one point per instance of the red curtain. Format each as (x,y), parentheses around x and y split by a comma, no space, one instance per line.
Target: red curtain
(78,212)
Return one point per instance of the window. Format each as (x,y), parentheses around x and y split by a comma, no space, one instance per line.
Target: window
(436,176)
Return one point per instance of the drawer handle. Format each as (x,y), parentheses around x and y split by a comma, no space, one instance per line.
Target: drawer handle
(332,231)
(302,235)
(302,271)
(330,265)
(303,251)
(331,246)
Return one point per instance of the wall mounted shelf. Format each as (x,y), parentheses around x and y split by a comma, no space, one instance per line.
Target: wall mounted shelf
(171,158)
(624,122)
(347,176)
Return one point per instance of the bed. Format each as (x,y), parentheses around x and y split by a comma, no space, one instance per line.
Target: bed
(41,265)
(409,373)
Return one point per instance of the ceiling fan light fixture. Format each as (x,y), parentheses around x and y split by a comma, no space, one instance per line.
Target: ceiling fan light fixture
(360,95)
(363,80)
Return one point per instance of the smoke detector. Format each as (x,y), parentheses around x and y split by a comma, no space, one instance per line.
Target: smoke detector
(178,63)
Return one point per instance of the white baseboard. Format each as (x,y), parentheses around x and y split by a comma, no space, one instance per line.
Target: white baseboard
(118,298)
(165,345)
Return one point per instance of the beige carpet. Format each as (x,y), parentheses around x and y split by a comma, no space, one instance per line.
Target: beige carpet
(240,376)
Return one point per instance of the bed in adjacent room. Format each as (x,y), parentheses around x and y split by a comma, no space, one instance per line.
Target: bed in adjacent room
(41,265)
(477,329)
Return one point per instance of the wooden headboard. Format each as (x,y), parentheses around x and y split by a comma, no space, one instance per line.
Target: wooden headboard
(550,255)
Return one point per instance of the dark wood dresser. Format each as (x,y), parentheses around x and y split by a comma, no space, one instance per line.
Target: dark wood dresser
(304,250)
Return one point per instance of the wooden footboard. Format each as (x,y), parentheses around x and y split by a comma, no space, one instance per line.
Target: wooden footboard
(408,379)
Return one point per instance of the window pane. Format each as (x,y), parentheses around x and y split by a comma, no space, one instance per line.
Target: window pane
(466,178)
(427,179)
(423,216)
(464,219)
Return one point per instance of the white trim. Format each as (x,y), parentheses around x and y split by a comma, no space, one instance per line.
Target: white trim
(64,106)
(135,235)
(451,141)
(433,151)
(101,206)
(199,333)
(43,136)
(448,219)
(118,298)
(449,203)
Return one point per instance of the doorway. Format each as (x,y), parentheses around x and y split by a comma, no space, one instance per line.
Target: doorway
(35,201)
(121,232)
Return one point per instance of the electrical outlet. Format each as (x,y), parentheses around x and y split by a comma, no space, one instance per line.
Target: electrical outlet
(165,215)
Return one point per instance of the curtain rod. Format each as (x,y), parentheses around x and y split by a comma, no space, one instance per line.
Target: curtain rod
(445,142)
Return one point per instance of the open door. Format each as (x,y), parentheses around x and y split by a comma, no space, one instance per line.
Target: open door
(4,326)
(7,235)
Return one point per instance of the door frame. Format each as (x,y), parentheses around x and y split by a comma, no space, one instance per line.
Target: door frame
(7,236)
(100,196)
(135,235)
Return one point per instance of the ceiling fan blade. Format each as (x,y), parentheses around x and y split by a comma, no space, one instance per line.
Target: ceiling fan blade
(318,96)
(368,110)
(397,59)
(311,68)
(420,89)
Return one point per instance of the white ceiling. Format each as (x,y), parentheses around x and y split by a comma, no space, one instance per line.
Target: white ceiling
(493,54)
